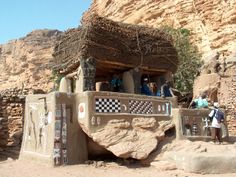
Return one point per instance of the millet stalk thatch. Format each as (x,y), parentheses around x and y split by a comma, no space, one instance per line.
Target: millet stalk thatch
(116,47)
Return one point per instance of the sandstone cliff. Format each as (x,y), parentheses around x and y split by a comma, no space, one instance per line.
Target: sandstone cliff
(212,22)
(26,62)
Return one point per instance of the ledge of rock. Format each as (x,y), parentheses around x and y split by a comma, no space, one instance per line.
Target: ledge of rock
(202,157)
(135,139)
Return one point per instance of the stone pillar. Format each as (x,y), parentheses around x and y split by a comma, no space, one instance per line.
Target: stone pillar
(128,82)
(86,75)
(79,84)
(137,80)
(65,85)
(178,123)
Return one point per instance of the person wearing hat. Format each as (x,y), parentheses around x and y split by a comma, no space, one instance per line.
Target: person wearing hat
(217,117)
(144,88)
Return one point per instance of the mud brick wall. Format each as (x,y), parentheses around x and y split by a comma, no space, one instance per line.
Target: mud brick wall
(11,121)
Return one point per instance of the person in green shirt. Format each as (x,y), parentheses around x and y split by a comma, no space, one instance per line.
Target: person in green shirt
(201,102)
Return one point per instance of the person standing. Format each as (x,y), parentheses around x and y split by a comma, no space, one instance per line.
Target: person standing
(217,117)
(166,90)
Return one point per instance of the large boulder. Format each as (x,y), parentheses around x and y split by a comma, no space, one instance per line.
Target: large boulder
(135,139)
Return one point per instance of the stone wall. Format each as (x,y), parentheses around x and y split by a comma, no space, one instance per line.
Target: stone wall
(227,97)
(11,121)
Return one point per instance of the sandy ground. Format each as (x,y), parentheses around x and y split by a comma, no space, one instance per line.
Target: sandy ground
(17,168)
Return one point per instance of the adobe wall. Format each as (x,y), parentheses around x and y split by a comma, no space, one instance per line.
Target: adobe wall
(52,135)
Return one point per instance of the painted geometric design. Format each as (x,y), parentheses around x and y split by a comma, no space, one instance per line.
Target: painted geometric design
(140,107)
(107,105)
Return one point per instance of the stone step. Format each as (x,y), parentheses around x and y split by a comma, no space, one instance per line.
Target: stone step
(205,163)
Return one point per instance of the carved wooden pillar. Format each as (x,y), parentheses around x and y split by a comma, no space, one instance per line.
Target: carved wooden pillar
(86,75)
(137,80)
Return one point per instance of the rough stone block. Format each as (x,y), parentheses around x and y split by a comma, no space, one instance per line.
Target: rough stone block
(206,163)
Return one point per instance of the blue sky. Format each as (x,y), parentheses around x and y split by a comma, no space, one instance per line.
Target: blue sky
(19,17)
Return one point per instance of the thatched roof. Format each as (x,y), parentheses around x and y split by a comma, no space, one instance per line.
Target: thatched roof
(116,47)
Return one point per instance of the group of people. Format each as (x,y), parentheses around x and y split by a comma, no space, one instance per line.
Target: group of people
(146,87)
(164,91)
(216,116)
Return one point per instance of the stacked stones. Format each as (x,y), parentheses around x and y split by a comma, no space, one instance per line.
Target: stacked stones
(15,123)
(11,120)
(229,99)
(3,129)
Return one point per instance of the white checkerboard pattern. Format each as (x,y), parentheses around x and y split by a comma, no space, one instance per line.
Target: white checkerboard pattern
(140,107)
(107,105)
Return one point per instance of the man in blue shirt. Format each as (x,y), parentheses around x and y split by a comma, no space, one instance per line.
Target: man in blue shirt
(166,90)
(145,89)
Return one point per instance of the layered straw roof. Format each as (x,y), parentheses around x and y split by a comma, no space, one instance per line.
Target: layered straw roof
(116,47)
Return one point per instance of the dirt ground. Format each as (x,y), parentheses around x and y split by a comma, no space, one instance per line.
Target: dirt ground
(117,168)
(17,168)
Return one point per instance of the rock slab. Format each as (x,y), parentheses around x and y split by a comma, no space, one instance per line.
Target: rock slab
(135,139)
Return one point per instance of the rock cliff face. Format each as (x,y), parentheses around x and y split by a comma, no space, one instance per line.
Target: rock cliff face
(26,62)
(212,22)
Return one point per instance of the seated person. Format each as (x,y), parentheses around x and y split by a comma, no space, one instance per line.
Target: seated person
(116,83)
(166,90)
(200,102)
(154,89)
(144,88)
(158,92)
